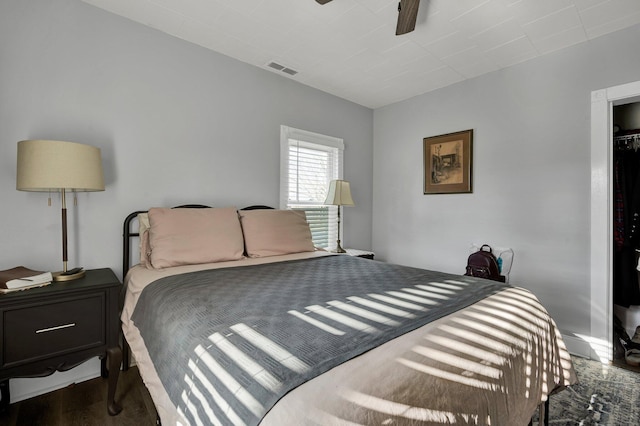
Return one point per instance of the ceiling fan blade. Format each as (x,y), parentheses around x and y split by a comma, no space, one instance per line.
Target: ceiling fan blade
(323,1)
(407,14)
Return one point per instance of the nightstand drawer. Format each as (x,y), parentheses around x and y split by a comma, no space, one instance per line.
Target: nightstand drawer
(58,327)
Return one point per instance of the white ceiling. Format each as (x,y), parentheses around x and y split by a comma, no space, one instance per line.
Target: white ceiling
(349,48)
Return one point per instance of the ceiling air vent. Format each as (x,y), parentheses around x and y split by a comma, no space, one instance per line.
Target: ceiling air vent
(277,66)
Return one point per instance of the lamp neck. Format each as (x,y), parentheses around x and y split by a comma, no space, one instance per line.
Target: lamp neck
(64,231)
(339,248)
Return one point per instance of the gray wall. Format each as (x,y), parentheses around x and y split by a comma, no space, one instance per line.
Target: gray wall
(531,172)
(176,124)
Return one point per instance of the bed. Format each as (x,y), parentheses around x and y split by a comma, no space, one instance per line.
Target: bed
(233,317)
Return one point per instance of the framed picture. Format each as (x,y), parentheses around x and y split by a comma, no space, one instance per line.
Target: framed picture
(447,163)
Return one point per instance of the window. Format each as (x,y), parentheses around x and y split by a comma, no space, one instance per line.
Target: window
(308,162)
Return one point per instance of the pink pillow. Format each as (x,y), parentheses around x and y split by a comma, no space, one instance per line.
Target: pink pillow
(275,232)
(186,236)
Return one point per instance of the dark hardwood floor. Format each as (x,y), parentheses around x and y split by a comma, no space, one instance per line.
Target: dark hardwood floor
(622,364)
(86,404)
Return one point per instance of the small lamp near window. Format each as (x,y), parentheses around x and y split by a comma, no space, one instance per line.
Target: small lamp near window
(339,194)
(57,166)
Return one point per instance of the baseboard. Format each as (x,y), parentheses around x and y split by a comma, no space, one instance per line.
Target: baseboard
(25,388)
(576,345)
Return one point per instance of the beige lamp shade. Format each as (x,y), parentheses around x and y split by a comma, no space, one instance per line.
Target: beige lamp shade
(339,194)
(45,165)
(59,166)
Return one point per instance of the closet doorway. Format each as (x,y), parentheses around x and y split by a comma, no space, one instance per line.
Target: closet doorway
(625,215)
(601,258)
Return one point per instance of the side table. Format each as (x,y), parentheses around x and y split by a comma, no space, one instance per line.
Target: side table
(59,326)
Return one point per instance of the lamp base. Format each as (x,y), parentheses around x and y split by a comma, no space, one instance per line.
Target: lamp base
(70,275)
(338,248)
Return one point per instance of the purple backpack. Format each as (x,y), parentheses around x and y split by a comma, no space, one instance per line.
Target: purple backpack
(483,264)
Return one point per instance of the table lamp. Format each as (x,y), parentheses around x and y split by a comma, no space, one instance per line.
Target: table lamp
(57,166)
(339,194)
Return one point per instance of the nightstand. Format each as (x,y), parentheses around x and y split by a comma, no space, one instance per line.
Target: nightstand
(59,326)
(360,253)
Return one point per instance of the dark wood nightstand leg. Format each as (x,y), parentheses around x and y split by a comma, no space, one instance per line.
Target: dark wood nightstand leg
(115,359)
(5,398)
(104,371)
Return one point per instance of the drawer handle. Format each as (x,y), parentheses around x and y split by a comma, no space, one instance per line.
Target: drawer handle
(45,330)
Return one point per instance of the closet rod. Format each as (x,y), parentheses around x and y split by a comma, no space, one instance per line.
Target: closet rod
(627,142)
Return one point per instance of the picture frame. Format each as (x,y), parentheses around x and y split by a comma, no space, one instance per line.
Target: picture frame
(448,161)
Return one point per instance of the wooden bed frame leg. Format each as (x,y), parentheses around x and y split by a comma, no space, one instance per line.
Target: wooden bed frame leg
(115,359)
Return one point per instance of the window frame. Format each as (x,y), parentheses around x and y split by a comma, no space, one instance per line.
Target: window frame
(322,141)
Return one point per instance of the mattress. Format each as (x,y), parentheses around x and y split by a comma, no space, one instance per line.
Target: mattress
(492,362)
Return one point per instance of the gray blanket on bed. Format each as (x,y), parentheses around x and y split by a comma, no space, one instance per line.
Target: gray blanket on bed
(229,343)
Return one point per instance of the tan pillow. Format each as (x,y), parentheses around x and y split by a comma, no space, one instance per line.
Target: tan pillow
(145,250)
(143,231)
(275,232)
(191,236)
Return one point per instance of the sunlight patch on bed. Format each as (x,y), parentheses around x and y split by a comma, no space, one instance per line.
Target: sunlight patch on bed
(203,402)
(488,330)
(242,360)
(516,307)
(348,321)
(520,318)
(316,323)
(435,289)
(372,316)
(524,293)
(464,348)
(397,302)
(413,298)
(489,342)
(380,307)
(565,358)
(528,373)
(491,320)
(274,350)
(191,408)
(229,382)
(426,293)
(464,364)
(452,377)
(458,285)
(319,417)
(406,411)
(217,398)
(527,303)
(523,321)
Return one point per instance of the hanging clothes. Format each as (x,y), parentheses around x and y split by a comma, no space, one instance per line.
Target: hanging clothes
(618,204)
(626,221)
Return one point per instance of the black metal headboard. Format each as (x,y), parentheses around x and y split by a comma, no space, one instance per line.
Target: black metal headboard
(128,235)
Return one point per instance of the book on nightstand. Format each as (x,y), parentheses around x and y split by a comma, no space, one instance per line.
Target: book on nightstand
(21,278)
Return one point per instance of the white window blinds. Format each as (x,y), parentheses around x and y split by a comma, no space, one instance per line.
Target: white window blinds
(309,161)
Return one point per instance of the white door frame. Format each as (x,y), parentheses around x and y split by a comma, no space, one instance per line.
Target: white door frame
(602,102)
